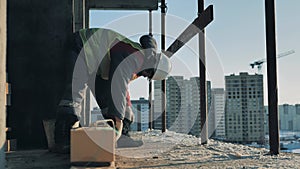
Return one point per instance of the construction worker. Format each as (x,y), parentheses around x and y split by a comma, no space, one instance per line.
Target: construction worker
(106,62)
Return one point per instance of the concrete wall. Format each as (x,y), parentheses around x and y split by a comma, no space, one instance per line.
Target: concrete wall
(2,79)
(38,34)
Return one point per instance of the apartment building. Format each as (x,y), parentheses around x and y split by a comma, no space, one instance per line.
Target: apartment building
(289,117)
(218,110)
(244,112)
(183,104)
(140,109)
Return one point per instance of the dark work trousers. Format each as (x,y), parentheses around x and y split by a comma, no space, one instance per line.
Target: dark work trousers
(77,80)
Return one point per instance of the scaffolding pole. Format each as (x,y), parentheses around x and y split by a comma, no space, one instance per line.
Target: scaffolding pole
(163,82)
(202,74)
(150,82)
(272,77)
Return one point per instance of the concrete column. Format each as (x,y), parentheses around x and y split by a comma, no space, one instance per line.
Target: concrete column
(38,43)
(2,80)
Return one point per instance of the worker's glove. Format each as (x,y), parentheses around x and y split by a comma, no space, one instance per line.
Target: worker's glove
(118,127)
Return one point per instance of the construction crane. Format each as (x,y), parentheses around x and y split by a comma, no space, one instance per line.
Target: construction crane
(259,63)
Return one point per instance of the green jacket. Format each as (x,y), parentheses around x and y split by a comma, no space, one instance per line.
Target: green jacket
(97,43)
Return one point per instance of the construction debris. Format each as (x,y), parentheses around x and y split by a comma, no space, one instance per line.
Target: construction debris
(168,150)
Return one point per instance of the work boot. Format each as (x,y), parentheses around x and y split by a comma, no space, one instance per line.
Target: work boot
(127,142)
(64,123)
(62,138)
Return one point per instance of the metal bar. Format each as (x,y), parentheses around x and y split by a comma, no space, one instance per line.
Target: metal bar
(85,8)
(139,118)
(150,22)
(87,107)
(163,82)
(150,82)
(272,76)
(203,19)
(202,74)
(86,13)
(150,106)
(124,4)
(85,111)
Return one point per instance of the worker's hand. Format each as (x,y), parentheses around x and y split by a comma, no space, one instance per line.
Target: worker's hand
(119,127)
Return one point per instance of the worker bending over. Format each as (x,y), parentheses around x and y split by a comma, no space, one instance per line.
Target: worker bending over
(106,62)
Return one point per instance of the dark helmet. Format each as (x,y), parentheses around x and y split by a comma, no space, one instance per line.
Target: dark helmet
(157,63)
(147,41)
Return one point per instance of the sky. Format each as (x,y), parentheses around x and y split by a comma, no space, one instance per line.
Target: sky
(234,39)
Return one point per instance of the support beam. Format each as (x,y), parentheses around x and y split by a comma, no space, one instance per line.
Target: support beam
(163,82)
(123,4)
(86,13)
(150,107)
(203,19)
(202,74)
(2,81)
(150,82)
(272,77)
(81,21)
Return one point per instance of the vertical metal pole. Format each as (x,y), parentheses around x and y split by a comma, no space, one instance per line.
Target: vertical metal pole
(202,74)
(150,22)
(150,106)
(150,82)
(2,81)
(81,21)
(163,82)
(85,12)
(87,101)
(78,15)
(88,106)
(272,76)
(139,118)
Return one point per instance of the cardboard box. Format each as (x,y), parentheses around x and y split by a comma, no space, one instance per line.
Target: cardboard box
(93,144)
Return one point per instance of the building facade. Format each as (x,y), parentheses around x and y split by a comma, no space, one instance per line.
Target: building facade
(175,104)
(140,109)
(266,123)
(195,106)
(289,116)
(182,102)
(244,112)
(218,109)
(157,108)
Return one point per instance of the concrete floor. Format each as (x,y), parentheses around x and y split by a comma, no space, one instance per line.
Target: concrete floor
(125,158)
(184,157)
(165,152)
(34,159)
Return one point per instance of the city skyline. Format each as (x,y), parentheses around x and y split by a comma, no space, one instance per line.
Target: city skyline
(185,101)
(235,39)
